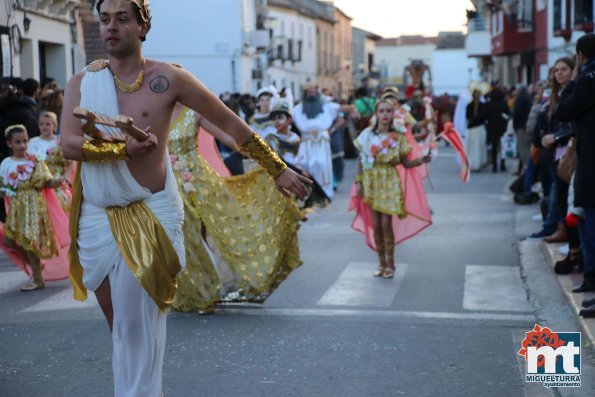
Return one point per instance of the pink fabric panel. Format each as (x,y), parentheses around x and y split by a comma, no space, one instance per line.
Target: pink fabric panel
(55,268)
(416,204)
(207,148)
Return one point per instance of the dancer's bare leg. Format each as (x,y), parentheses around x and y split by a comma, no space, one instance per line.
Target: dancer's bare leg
(104,297)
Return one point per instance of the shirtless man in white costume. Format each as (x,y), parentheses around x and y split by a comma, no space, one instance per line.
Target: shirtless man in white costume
(129,186)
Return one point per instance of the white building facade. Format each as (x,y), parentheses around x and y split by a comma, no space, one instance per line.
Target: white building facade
(453,71)
(292,59)
(41,39)
(212,39)
(393,59)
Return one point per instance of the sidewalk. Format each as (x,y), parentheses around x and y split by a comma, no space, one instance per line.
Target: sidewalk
(568,282)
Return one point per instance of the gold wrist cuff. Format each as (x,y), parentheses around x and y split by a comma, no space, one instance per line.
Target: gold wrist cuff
(358,178)
(101,152)
(258,150)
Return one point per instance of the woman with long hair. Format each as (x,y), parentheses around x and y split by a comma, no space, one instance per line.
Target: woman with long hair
(554,139)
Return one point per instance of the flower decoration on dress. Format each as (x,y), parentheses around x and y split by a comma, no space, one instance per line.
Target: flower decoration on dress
(187,176)
(381,145)
(22,172)
(188,187)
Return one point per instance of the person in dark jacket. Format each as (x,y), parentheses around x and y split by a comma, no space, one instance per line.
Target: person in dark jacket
(577,104)
(520,114)
(495,115)
(555,135)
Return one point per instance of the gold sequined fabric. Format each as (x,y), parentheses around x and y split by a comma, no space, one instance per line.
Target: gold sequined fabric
(258,150)
(147,250)
(253,226)
(381,183)
(58,165)
(27,221)
(101,152)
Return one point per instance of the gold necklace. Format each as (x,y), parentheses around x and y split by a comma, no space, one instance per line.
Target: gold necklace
(134,86)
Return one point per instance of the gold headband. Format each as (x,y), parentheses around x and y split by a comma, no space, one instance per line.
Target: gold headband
(14,127)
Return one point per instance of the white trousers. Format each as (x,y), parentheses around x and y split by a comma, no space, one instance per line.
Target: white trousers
(138,336)
(476,147)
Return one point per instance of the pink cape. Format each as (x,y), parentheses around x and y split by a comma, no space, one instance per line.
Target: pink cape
(207,148)
(55,268)
(416,204)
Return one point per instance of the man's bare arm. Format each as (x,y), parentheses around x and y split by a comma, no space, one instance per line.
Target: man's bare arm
(193,94)
(71,135)
(218,133)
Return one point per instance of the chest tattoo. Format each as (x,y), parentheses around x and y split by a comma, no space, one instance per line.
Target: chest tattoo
(159,84)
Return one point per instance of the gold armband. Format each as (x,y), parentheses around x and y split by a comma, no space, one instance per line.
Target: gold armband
(101,152)
(358,178)
(258,150)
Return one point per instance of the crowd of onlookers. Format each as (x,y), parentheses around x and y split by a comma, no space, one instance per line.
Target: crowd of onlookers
(554,125)
(22,101)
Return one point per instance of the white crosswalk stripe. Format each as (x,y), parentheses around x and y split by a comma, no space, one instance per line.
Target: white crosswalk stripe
(356,287)
(12,280)
(494,288)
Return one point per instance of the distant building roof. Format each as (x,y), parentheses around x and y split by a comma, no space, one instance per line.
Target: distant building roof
(369,35)
(451,40)
(310,8)
(407,40)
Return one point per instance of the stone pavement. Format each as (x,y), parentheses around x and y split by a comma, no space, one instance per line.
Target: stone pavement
(568,282)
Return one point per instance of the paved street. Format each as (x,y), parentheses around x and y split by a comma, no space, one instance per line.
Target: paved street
(449,324)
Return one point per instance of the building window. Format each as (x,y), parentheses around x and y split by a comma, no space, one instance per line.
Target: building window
(559,7)
(525,15)
(583,12)
(497,23)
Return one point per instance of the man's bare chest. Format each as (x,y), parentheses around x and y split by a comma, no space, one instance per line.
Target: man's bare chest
(147,109)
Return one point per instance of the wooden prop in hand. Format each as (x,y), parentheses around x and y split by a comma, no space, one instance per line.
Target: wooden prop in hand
(115,129)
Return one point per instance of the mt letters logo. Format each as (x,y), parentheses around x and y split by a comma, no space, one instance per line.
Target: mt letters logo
(553,358)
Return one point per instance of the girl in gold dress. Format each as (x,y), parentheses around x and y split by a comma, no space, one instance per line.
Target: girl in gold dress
(379,198)
(30,227)
(253,226)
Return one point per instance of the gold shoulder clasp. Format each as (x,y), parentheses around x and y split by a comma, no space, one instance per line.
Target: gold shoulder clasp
(98,65)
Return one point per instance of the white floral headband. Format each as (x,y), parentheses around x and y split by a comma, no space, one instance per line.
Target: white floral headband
(14,127)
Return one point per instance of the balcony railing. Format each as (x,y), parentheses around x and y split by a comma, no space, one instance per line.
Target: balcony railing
(476,25)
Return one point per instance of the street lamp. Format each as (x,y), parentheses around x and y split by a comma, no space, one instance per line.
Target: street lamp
(26,23)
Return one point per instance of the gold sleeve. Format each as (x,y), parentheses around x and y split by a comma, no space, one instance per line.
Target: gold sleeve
(41,175)
(258,150)
(100,152)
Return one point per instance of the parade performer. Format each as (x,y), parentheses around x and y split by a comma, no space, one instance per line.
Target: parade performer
(387,210)
(46,147)
(253,226)
(315,119)
(261,121)
(126,211)
(286,143)
(476,132)
(36,228)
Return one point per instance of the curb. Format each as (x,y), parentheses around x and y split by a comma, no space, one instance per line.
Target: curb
(568,282)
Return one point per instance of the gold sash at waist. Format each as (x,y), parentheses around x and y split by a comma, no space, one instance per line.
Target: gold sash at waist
(147,250)
(142,241)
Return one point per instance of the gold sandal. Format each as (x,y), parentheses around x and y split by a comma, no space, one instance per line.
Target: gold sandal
(32,286)
(380,271)
(389,273)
